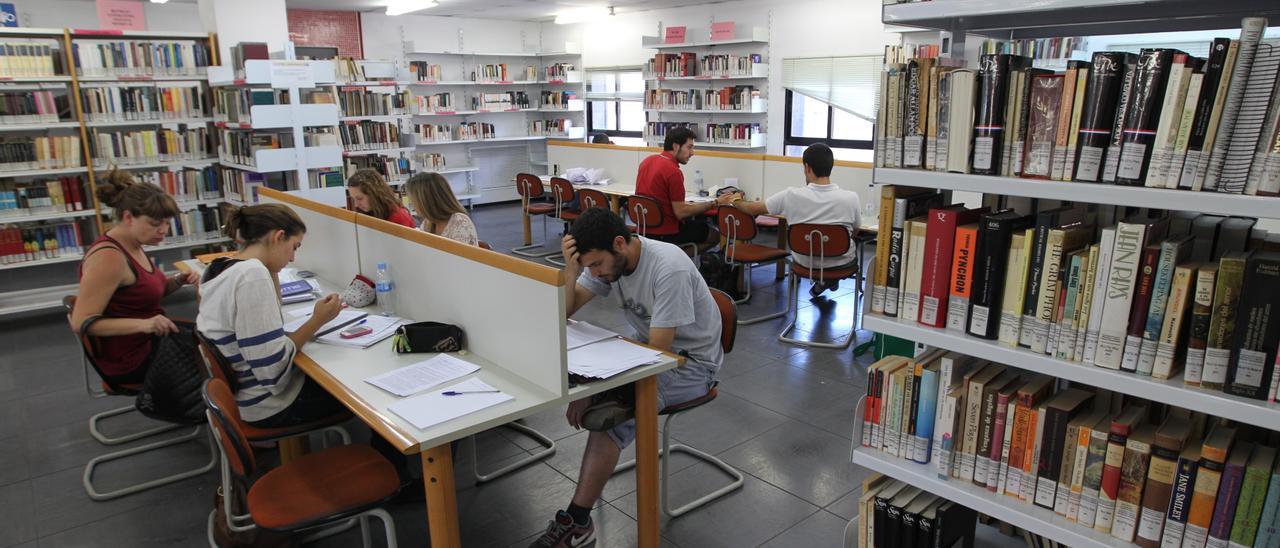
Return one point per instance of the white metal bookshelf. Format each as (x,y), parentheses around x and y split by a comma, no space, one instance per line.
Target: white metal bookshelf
(1013,19)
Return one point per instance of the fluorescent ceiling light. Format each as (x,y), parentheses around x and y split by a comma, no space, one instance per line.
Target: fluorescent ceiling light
(579,15)
(401,7)
(159,1)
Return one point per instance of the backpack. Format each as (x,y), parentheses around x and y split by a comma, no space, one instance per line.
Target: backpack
(719,274)
(171,391)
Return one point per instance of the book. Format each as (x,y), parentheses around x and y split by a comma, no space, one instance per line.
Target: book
(1186,121)
(1079,463)
(1251,30)
(989,410)
(952,368)
(1257,333)
(1228,495)
(1269,524)
(1201,317)
(1253,494)
(1060,410)
(1047,92)
(914,252)
(1138,309)
(998,479)
(892,521)
(1045,221)
(1061,242)
(1143,115)
(1031,457)
(1109,491)
(927,524)
(937,157)
(975,387)
(1172,252)
(989,122)
(1212,92)
(1122,281)
(905,209)
(996,234)
(1098,112)
(1015,287)
(939,248)
(1175,520)
(1170,121)
(1064,347)
(960,123)
(1213,458)
(875,383)
(948,428)
(1205,231)
(1106,240)
(1167,443)
(1111,160)
(1087,284)
(1010,158)
(1133,478)
(928,374)
(954,524)
(1069,122)
(964,261)
(1226,298)
(1250,121)
(866,505)
(891,439)
(1073,461)
(1233,235)
(1169,348)
(1028,399)
(1091,483)
(879,529)
(909,530)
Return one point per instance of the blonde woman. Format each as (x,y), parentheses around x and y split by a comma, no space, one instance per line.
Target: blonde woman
(373,196)
(439,209)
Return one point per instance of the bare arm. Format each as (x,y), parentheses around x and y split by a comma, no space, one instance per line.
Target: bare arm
(750,208)
(104,272)
(685,210)
(326,309)
(662,337)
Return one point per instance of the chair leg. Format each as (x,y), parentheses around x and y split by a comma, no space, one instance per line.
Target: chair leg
(791,300)
(107,440)
(193,436)
(748,321)
(666,453)
(524,250)
(549,449)
(89,385)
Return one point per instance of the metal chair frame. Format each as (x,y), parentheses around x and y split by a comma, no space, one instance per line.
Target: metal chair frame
(794,285)
(638,209)
(526,185)
(562,192)
(731,221)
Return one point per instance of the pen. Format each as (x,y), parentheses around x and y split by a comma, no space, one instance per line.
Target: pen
(464,392)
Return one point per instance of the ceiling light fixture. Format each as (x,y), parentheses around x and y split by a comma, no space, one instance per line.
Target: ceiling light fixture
(401,7)
(159,1)
(580,15)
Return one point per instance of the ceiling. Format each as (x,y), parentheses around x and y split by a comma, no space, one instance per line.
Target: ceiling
(527,10)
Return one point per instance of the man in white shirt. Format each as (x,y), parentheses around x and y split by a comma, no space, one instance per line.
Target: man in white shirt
(818,202)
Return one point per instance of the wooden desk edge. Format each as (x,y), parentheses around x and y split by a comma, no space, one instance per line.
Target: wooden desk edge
(379,422)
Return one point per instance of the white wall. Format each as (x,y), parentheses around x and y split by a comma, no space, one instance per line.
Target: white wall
(238,21)
(83,14)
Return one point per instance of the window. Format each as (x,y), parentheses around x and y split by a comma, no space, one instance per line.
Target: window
(810,121)
(831,100)
(615,104)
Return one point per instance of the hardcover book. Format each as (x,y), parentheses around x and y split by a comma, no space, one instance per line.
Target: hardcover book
(1098,112)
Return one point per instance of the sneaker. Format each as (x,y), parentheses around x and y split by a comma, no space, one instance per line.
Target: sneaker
(562,532)
(607,414)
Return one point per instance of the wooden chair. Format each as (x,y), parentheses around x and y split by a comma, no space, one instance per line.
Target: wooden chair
(645,213)
(728,333)
(530,186)
(738,230)
(562,193)
(817,242)
(590,197)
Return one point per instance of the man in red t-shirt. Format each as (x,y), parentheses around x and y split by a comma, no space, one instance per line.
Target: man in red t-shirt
(659,177)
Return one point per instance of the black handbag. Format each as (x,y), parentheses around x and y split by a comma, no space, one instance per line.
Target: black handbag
(171,390)
(428,337)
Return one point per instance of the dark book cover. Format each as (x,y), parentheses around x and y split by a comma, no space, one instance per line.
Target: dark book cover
(1042,126)
(1111,160)
(995,233)
(989,122)
(1144,114)
(1257,334)
(909,533)
(1162,472)
(1063,407)
(1140,305)
(1097,113)
(881,504)
(1213,74)
(986,425)
(1233,235)
(1045,220)
(1229,493)
(954,524)
(926,524)
(1204,231)
(893,516)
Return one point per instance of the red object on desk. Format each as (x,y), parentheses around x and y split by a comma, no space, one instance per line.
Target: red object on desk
(765,221)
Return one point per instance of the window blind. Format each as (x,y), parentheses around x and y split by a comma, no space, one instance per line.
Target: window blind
(850,83)
(610,84)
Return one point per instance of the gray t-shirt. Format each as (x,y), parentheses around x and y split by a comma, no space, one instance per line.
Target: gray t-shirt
(666,291)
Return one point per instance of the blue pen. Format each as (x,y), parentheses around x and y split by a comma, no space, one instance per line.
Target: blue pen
(464,392)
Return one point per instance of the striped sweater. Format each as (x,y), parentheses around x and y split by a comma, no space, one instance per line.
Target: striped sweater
(240,313)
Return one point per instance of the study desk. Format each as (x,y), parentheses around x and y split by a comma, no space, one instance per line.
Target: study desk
(341,371)
(615,191)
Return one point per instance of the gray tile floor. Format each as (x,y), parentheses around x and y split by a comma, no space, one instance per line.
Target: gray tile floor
(783,417)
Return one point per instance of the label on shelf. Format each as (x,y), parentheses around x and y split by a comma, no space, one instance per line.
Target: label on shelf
(1132,349)
(929,311)
(722,30)
(1216,361)
(913,147)
(292,74)
(978,321)
(1131,160)
(674,35)
(1249,368)
(1090,164)
(983,152)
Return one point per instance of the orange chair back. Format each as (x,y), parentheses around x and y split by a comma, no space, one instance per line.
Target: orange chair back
(529,186)
(644,212)
(819,241)
(89,346)
(736,224)
(590,197)
(728,319)
(224,419)
(561,190)
(218,366)
(484,245)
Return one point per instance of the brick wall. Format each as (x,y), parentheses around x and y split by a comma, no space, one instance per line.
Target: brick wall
(327,28)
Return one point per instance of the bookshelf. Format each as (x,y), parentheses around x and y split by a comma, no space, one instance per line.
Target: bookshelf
(680,95)
(1009,19)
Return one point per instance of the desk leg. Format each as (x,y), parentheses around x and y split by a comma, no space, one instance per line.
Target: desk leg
(293,448)
(647,461)
(615,203)
(528,229)
(781,270)
(442,504)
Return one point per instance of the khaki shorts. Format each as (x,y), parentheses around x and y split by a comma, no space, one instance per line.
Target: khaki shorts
(675,386)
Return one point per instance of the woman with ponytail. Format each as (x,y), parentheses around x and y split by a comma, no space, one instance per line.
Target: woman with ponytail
(373,196)
(121,285)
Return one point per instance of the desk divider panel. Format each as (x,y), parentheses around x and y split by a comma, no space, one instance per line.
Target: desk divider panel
(511,310)
(716,166)
(781,173)
(620,163)
(330,248)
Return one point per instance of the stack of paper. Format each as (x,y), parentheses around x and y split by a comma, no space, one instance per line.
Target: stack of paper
(382,326)
(434,407)
(578,333)
(346,317)
(604,359)
(410,380)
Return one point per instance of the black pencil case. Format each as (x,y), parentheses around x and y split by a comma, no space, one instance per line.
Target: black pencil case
(428,337)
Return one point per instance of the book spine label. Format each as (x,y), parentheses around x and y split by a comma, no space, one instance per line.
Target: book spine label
(1109,491)
(1097,113)
(1111,164)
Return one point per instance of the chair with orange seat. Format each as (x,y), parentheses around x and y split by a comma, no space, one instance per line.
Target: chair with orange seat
(88,347)
(314,492)
(738,230)
(645,213)
(817,242)
(562,193)
(728,333)
(530,186)
(590,197)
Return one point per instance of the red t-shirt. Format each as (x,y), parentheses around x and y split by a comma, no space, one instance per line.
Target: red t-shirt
(401,216)
(660,178)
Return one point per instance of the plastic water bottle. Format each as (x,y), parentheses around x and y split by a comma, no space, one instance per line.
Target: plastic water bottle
(697,182)
(385,289)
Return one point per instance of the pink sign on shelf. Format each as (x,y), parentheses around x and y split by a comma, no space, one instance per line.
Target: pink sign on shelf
(722,31)
(121,15)
(675,35)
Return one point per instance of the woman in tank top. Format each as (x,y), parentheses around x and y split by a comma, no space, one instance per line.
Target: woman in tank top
(122,285)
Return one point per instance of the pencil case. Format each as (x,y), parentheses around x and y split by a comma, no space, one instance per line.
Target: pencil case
(428,337)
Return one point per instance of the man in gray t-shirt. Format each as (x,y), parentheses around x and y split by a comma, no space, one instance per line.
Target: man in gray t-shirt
(669,307)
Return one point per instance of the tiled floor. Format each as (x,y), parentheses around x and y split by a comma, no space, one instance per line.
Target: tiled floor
(783,417)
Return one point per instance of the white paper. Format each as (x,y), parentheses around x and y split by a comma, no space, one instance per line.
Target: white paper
(610,357)
(411,379)
(381,326)
(578,334)
(343,317)
(434,407)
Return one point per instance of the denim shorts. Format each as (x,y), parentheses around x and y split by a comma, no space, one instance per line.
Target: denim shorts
(675,386)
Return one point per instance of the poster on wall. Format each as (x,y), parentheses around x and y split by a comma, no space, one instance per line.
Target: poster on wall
(8,15)
(121,15)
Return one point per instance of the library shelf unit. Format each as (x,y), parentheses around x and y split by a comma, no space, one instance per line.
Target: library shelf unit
(1013,19)
(744,41)
(24,292)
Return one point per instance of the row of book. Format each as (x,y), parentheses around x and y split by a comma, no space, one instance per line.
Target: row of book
(558,71)
(151,145)
(505,100)
(892,514)
(731,134)
(33,107)
(1035,48)
(242,186)
(1139,471)
(685,64)
(426,72)
(118,103)
(364,102)
(368,135)
(558,99)
(186,185)
(436,102)
(234,104)
(64,194)
(241,146)
(26,153)
(147,57)
(1160,119)
(30,58)
(195,225)
(430,161)
(391,168)
(46,240)
(725,98)
(500,72)
(1146,293)
(550,128)
(443,133)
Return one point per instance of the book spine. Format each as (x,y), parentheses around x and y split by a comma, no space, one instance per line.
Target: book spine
(1006,447)
(1143,115)
(1226,300)
(967,249)
(927,415)
(1048,464)
(989,123)
(939,245)
(1109,490)
(1201,318)
(1161,474)
(989,277)
(1174,96)
(1225,509)
(1170,254)
(1204,107)
(1015,291)
(1100,280)
(1253,492)
(1251,32)
(1133,475)
(1097,113)
(1175,521)
(1047,93)
(1035,275)
(972,422)
(1081,447)
(1203,500)
(1253,353)
(946,434)
(1141,306)
(1031,457)
(1111,160)
(986,436)
(1122,280)
(1062,495)
(882,238)
(1269,522)
(893,279)
(1177,310)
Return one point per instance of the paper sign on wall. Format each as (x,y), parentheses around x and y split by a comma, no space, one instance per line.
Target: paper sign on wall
(8,15)
(292,74)
(722,31)
(121,15)
(675,35)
